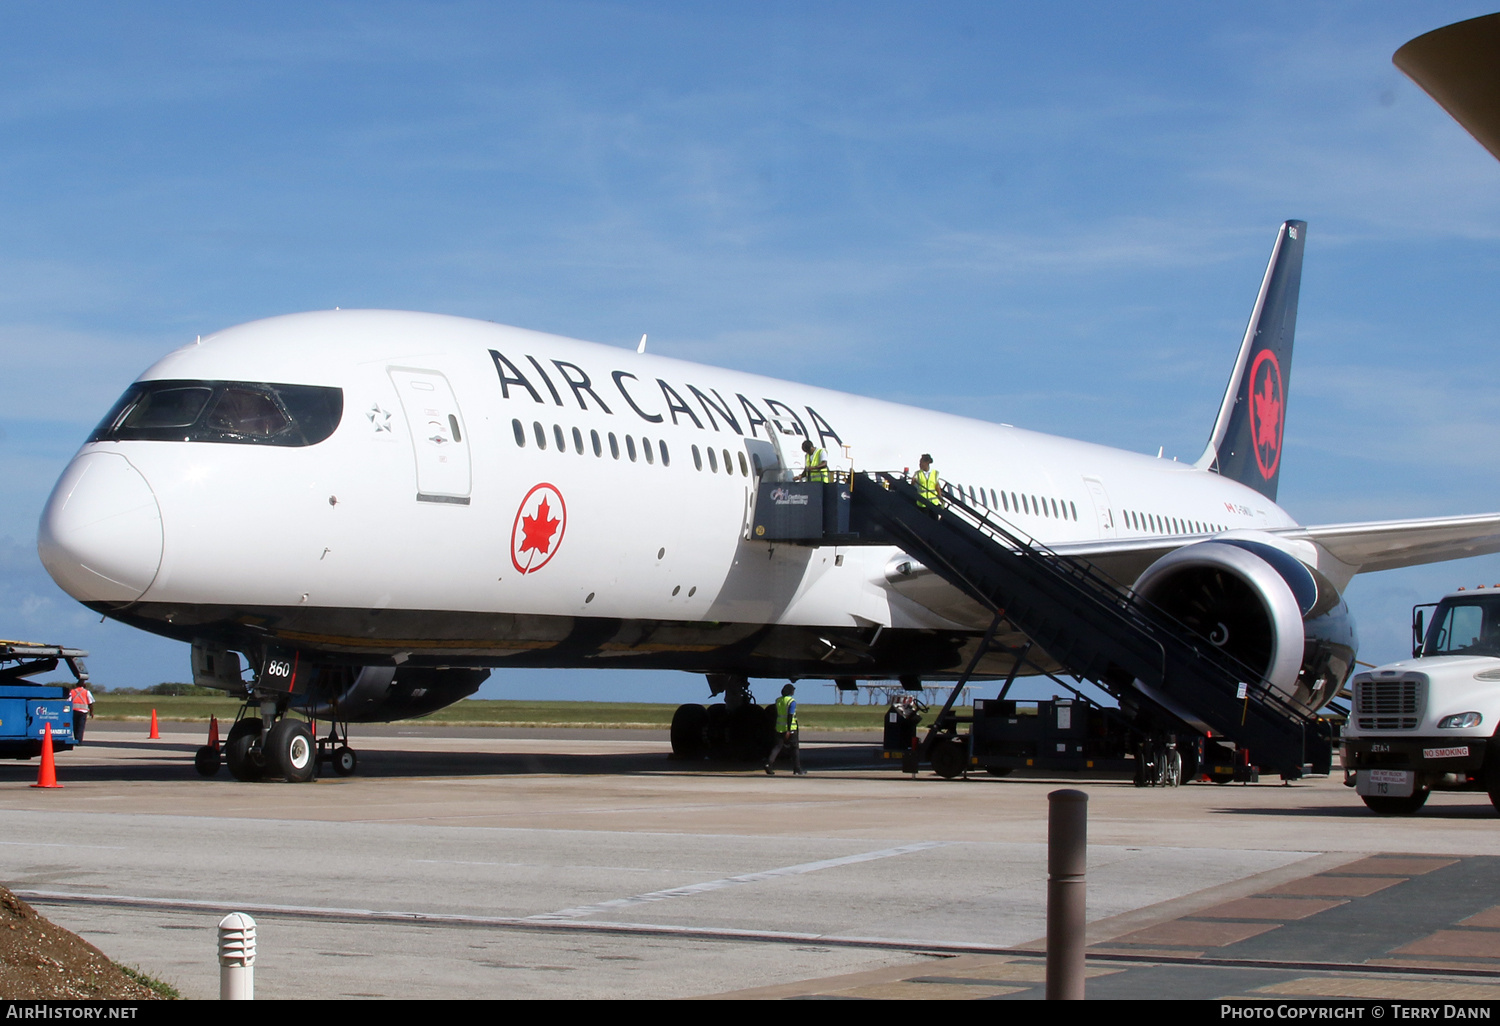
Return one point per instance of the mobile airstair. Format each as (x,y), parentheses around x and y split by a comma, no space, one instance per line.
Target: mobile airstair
(1089,624)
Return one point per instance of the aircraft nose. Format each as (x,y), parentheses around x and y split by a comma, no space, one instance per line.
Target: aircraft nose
(100,536)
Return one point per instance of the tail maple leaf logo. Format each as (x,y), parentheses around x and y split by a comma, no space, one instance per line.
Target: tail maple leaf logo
(1267,412)
(538,530)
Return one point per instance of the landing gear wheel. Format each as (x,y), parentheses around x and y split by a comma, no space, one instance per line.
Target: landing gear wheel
(291,753)
(749,734)
(345,762)
(206,761)
(687,731)
(1386,806)
(949,757)
(716,731)
(998,771)
(243,763)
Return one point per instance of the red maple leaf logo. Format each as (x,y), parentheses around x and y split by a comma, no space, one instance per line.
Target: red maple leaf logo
(536,537)
(1266,407)
(536,532)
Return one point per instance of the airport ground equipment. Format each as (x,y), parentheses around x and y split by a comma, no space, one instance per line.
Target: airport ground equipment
(28,708)
(1092,626)
(1432,722)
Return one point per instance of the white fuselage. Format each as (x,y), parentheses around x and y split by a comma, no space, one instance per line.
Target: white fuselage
(424,499)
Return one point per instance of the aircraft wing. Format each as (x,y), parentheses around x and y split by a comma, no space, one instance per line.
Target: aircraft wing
(1388,544)
(1361,547)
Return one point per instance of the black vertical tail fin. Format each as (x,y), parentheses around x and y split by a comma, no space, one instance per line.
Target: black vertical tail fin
(1246,441)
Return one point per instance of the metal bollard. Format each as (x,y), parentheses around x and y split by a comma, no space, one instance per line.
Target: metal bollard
(237,957)
(1067,922)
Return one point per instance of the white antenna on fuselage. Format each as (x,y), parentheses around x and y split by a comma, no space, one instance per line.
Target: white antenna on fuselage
(642,347)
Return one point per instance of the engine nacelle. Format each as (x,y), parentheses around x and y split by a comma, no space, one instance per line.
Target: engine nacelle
(1265,607)
(380,694)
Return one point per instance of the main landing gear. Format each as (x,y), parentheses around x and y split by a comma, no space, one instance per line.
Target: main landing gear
(735,730)
(276,746)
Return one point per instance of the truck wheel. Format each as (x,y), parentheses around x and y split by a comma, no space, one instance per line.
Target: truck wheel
(1387,806)
(949,756)
(1495,798)
(206,760)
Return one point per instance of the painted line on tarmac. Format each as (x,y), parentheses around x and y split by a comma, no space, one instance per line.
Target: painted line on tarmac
(732,881)
(46,844)
(354,915)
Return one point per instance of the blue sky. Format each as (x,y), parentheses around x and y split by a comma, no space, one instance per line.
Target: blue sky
(1055,215)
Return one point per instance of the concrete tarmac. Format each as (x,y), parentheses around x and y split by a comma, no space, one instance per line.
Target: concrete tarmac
(584,863)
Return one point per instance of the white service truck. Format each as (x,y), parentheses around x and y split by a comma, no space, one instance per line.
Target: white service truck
(1429,723)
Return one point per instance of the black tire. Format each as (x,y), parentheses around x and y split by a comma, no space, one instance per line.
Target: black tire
(291,753)
(207,760)
(748,734)
(1495,798)
(687,732)
(1385,805)
(239,754)
(1192,766)
(998,771)
(950,757)
(716,731)
(345,762)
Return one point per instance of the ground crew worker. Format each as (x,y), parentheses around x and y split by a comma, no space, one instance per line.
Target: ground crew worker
(786,733)
(929,490)
(83,704)
(815,467)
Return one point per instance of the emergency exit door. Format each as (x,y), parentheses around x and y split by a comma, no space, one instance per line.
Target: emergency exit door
(439,440)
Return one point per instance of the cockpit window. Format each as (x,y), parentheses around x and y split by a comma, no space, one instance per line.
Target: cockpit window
(255,413)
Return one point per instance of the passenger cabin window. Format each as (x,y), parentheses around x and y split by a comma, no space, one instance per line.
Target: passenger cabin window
(541,434)
(520,431)
(246,412)
(614,446)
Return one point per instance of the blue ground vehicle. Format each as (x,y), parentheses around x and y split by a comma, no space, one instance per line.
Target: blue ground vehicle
(27,708)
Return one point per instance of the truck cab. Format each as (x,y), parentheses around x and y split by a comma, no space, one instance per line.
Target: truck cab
(1429,723)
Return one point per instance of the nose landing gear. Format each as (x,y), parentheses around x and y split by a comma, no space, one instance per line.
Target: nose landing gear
(287,750)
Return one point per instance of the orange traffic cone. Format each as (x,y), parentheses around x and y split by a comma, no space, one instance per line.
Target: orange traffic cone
(154,735)
(47,775)
(213,732)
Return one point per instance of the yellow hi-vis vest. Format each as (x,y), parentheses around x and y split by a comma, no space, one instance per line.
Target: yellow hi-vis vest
(786,714)
(927,488)
(817,466)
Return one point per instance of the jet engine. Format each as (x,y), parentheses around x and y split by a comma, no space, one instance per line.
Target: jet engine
(1263,606)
